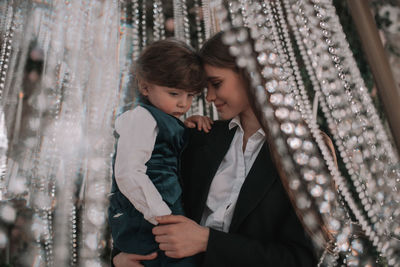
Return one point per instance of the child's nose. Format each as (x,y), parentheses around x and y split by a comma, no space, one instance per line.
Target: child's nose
(182,101)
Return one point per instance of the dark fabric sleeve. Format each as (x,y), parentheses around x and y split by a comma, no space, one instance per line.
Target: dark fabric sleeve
(293,248)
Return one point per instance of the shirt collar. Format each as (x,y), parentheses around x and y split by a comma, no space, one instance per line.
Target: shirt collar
(236,122)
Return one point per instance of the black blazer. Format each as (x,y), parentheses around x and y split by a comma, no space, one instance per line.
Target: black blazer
(265,230)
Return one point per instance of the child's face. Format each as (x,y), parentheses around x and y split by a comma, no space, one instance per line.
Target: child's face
(172,101)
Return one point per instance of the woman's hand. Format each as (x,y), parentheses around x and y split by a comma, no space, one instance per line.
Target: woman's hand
(180,237)
(132,260)
(202,122)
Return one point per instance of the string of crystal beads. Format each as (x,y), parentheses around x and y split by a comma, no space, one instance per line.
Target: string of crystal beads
(199,31)
(135,29)
(144,24)
(6,48)
(158,20)
(186,26)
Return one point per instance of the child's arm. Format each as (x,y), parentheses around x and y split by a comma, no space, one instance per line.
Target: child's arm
(137,131)
(202,122)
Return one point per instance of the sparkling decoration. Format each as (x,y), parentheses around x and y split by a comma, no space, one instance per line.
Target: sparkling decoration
(144,24)
(56,121)
(199,31)
(4,64)
(181,21)
(135,29)
(3,155)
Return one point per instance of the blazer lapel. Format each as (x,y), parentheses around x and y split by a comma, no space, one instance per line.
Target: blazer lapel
(214,150)
(257,183)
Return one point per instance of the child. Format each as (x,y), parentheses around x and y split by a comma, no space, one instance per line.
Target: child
(150,139)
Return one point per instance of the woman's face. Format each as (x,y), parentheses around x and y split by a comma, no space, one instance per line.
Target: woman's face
(227,90)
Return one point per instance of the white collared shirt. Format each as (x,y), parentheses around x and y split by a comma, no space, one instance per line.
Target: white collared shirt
(137,131)
(229,178)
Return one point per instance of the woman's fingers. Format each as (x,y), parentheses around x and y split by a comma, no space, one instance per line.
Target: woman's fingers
(179,236)
(171,219)
(131,260)
(161,230)
(147,257)
(162,238)
(173,254)
(167,247)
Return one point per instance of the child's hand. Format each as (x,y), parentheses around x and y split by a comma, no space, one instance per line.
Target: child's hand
(203,123)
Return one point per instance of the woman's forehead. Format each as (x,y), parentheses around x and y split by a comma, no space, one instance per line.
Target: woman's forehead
(217,71)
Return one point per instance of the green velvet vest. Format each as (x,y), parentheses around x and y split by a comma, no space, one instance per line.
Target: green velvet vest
(163,166)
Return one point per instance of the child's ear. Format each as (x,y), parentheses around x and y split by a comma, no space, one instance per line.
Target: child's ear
(144,88)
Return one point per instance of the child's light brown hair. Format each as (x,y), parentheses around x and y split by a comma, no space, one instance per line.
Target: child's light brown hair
(171,63)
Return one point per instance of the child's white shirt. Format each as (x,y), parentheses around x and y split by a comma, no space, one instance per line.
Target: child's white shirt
(137,131)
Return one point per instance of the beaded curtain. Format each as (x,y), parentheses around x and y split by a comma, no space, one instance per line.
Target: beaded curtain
(65,75)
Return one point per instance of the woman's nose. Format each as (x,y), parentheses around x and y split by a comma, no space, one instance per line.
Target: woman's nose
(210,97)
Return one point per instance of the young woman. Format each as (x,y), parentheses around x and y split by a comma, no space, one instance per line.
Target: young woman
(240,214)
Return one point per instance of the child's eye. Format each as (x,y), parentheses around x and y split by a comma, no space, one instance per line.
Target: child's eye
(191,95)
(173,93)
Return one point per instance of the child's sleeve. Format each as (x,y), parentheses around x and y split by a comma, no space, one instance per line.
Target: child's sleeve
(137,131)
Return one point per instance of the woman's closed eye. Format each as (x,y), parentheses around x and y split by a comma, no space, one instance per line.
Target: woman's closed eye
(216,84)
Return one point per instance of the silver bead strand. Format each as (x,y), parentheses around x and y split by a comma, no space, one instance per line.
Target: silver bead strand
(162,19)
(199,31)
(186,26)
(135,29)
(178,20)
(156,22)
(6,49)
(206,18)
(4,64)
(144,24)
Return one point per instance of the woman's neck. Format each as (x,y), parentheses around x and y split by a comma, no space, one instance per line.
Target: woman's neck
(249,122)
(250,125)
